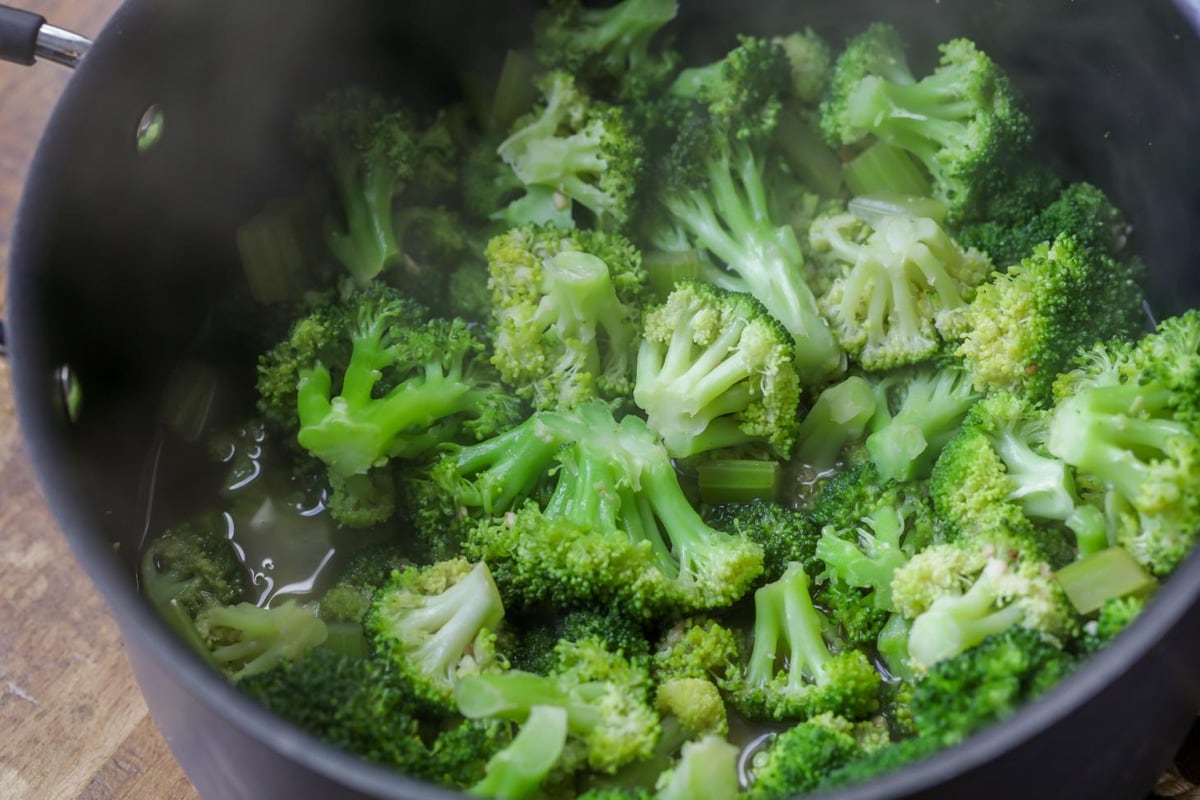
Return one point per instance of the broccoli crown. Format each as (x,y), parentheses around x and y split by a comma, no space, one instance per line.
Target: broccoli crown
(919,413)
(813,680)
(797,760)
(959,594)
(707,768)
(963,121)
(192,566)
(784,534)
(867,556)
(375,150)
(811,60)
(608,48)
(695,704)
(604,694)
(697,648)
(996,473)
(1115,615)
(715,370)
(538,635)
(437,624)
(714,196)
(986,683)
(903,291)
(578,149)
(364,572)
(882,761)
(1127,419)
(836,420)
(567,310)
(1027,325)
(246,640)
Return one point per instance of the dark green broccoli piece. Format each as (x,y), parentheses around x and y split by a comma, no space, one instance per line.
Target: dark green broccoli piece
(784,534)
(715,370)
(190,567)
(880,762)
(536,636)
(348,599)
(1115,615)
(797,761)
(567,309)
(745,91)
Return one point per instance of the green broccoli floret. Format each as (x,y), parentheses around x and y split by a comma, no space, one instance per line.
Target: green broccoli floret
(811,60)
(1115,616)
(784,534)
(963,122)
(866,557)
(190,567)
(707,768)
(837,419)
(608,48)
(921,414)
(246,640)
(812,680)
(996,473)
(958,594)
(797,760)
(713,195)
(348,599)
(745,91)
(1127,419)
(567,310)
(986,683)
(437,624)
(609,720)
(517,771)
(616,527)
(694,704)
(404,384)
(375,150)
(903,291)
(697,647)
(1027,325)
(715,370)
(579,150)
(535,636)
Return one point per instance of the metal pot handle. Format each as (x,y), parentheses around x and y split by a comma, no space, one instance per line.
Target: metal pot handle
(26,37)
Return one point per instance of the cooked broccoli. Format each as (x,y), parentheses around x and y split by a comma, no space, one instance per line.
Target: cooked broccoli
(837,419)
(190,567)
(567,307)
(963,122)
(518,770)
(1129,418)
(784,534)
(715,370)
(1027,325)
(695,704)
(811,60)
(745,91)
(348,599)
(536,636)
(798,760)
(577,150)
(904,288)
(1115,616)
(813,680)
(437,624)
(706,768)
(882,761)
(246,640)
(868,556)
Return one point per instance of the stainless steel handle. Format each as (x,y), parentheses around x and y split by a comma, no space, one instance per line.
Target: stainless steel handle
(26,37)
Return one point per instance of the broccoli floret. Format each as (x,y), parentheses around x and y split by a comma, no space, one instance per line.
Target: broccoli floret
(960,593)
(707,768)
(695,704)
(246,640)
(714,196)
(813,679)
(867,556)
(375,150)
(518,770)
(697,647)
(1026,326)
(715,370)
(1128,420)
(986,683)
(578,149)
(608,48)
(1115,615)
(537,635)
(364,572)
(996,473)
(190,567)
(904,289)
(745,91)
(922,412)
(616,527)
(609,720)
(963,122)
(567,311)
(837,419)
(797,760)
(811,60)
(437,624)
(784,534)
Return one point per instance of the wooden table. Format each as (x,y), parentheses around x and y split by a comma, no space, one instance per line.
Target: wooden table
(72,721)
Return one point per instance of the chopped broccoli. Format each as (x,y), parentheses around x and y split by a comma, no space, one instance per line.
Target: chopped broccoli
(247,640)
(868,556)
(707,768)
(784,534)
(837,419)
(567,308)
(695,704)
(1115,616)
(797,761)
(363,573)
(744,91)
(715,370)
(537,635)
(190,567)
(811,60)
(518,770)
(882,761)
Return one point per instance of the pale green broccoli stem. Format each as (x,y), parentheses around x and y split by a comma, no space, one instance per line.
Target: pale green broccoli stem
(784,610)
(255,640)
(922,118)
(666,268)
(806,153)
(892,645)
(839,417)
(579,302)
(516,772)
(707,768)
(515,93)
(368,245)
(955,623)
(495,473)
(1092,581)
(1090,526)
(512,695)
(871,560)
(873,208)
(885,168)
(737,480)
(1044,487)
(905,447)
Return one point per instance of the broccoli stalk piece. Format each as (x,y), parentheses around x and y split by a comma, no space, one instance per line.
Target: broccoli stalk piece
(714,194)
(706,768)
(1127,419)
(609,721)
(903,291)
(246,640)
(963,122)
(867,559)
(1026,326)
(437,624)
(517,771)
(567,308)
(715,370)
(813,680)
(838,418)
(578,150)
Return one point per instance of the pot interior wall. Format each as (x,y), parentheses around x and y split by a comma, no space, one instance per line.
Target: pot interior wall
(123,258)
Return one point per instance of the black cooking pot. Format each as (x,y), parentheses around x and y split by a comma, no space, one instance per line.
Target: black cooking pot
(122,253)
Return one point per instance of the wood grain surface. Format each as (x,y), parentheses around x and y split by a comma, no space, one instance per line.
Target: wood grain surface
(72,720)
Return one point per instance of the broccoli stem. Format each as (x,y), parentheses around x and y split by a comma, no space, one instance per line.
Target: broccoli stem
(737,481)
(516,772)
(784,610)
(1045,488)
(885,168)
(1094,580)
(368,245)
(495,473)
(955,623)
(839,416)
